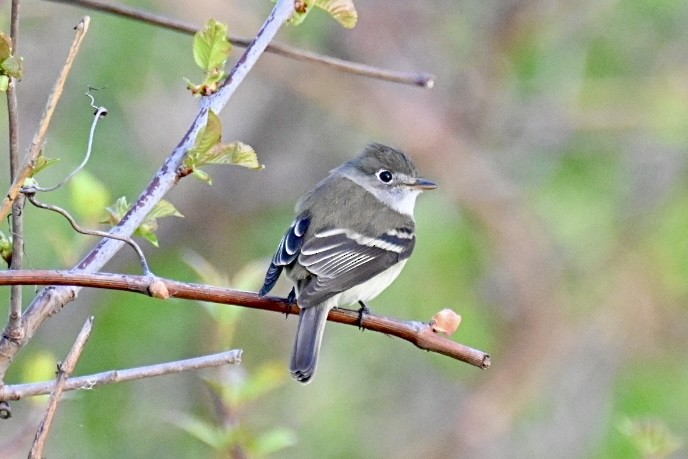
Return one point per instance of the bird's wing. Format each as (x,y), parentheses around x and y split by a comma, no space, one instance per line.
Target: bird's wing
(287,251)
(340,259)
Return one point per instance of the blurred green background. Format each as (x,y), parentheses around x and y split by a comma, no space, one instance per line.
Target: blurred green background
(557,132)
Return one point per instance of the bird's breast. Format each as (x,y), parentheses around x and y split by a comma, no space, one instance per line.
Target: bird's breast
(369,289)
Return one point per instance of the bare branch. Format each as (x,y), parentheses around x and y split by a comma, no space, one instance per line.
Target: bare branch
(13,327)
(65,369)
(39,136)
(20,391)
(14,24)
(424,80)
(418,333)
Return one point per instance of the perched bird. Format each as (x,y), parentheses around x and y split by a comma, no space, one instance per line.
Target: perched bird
(352,235)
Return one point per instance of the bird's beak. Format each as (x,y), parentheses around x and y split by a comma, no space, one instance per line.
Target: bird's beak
(422,184)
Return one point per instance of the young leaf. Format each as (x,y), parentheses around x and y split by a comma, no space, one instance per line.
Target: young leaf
(274,440)
(12,66)
(150,224)
(202,176)
(116,212)
(343,11)
(164,209)
(5,47)
(6,248)
(209,434)
(236,153)
(210,135)
(41,163)
(211,47)
(209,149)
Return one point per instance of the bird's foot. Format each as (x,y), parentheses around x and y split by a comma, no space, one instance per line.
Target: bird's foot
(363,310)
(291,299)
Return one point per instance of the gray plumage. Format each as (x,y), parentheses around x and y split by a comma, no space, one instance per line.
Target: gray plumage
(352,235)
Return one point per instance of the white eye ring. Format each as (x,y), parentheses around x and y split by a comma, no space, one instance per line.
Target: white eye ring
(384,176)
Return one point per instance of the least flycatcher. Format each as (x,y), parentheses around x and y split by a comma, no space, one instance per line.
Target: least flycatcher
(352,235)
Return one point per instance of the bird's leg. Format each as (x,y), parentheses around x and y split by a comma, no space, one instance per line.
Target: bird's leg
(291,298)
(364,309)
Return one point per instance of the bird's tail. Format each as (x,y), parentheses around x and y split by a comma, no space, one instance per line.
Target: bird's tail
(309,333)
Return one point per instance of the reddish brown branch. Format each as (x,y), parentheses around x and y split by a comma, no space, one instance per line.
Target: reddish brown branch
(417,333)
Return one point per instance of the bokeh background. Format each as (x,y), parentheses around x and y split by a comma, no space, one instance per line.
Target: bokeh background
(557,131)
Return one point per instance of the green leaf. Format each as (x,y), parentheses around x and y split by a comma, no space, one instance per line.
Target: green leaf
(4,82)
(209,149)
(6,248)
(148,235)
(12,66)
(164,209)
(236,153)
(204,431)
(150,224)
(651,437)
(5,47)
(343,11)
(211,47)
(273,441)
(42,163)
(116,211)
(267,378)
(207,138)
(202,176)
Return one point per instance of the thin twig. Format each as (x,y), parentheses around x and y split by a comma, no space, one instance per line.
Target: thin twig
(29,192)
(20,391)
(65,369)
(14,24)
(39,136)
(13,327)
(424,80)
(51,300)
(418,333)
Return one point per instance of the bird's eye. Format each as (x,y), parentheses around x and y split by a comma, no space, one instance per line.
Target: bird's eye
(384,175)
